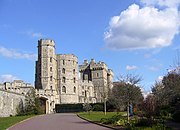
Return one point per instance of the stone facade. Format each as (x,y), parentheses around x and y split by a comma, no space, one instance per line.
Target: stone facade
(99,75)
(86,92)
(67,73)
(57,80)
(11,94)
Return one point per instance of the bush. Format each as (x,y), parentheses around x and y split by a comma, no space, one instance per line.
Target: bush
(145,122)
(120,122)
(112,120)
(87,107)
(176,116)
(97,107)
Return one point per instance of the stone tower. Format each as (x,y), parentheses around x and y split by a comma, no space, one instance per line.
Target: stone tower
(67,75)
(46,75)
(100,75)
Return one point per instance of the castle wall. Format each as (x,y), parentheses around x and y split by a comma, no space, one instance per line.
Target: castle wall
(9,101)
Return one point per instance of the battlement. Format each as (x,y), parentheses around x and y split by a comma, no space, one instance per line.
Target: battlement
(110,72)
(93,65)
(67,57)
(46,42)
(98,66)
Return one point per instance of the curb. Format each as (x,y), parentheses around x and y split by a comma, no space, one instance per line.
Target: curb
(23,121)
(100,124)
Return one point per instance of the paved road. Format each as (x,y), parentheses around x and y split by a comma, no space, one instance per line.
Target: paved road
(57,122)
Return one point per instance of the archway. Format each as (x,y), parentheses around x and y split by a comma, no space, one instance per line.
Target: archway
(43,104)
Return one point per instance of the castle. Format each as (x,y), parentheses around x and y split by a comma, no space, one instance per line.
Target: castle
(57,79)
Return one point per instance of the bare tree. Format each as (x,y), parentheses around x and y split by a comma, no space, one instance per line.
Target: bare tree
(127,92)
(104,95)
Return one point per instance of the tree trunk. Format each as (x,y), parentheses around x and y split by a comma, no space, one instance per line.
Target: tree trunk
(104,106)
(128,112)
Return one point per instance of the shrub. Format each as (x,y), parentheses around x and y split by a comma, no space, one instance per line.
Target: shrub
(97,107)
(120,122)
(145,122)
(112,120)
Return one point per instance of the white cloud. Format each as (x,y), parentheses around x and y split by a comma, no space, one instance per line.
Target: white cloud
(131,67)
(11,53)
(7,78)
(162,3)
(150,54)
(145,93)
(160,78)
(38,35)
(143,28)
(33,34)
(154,68)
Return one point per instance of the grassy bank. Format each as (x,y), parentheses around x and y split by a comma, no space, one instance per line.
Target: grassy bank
(6,122)
(97,116)
(119,121)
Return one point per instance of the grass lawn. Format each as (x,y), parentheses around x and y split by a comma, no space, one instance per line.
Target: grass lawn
(97,116)
(6,122)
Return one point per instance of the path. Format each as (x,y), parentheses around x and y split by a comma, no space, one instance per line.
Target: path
(57,122)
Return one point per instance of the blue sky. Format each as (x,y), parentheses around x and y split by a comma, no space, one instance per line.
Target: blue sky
(130,36)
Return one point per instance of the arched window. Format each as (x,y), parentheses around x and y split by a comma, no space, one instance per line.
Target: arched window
(50,59)
(63,62)
(74,71)
(64,80)
(50,78)
(63,70)
(64,89)
(51,69)
(51,87)
(74,80)
(74,89)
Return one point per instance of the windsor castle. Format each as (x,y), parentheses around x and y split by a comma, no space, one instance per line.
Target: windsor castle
(59,79)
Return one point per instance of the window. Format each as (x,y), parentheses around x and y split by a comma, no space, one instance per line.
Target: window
(97,74)
(50,78)
(64,89)
(83,93)
(51,87)
(64,80)
(51,69)
(63,70)
(74,89)
(63,62)
(74,80)
(50,59)
(74,71)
